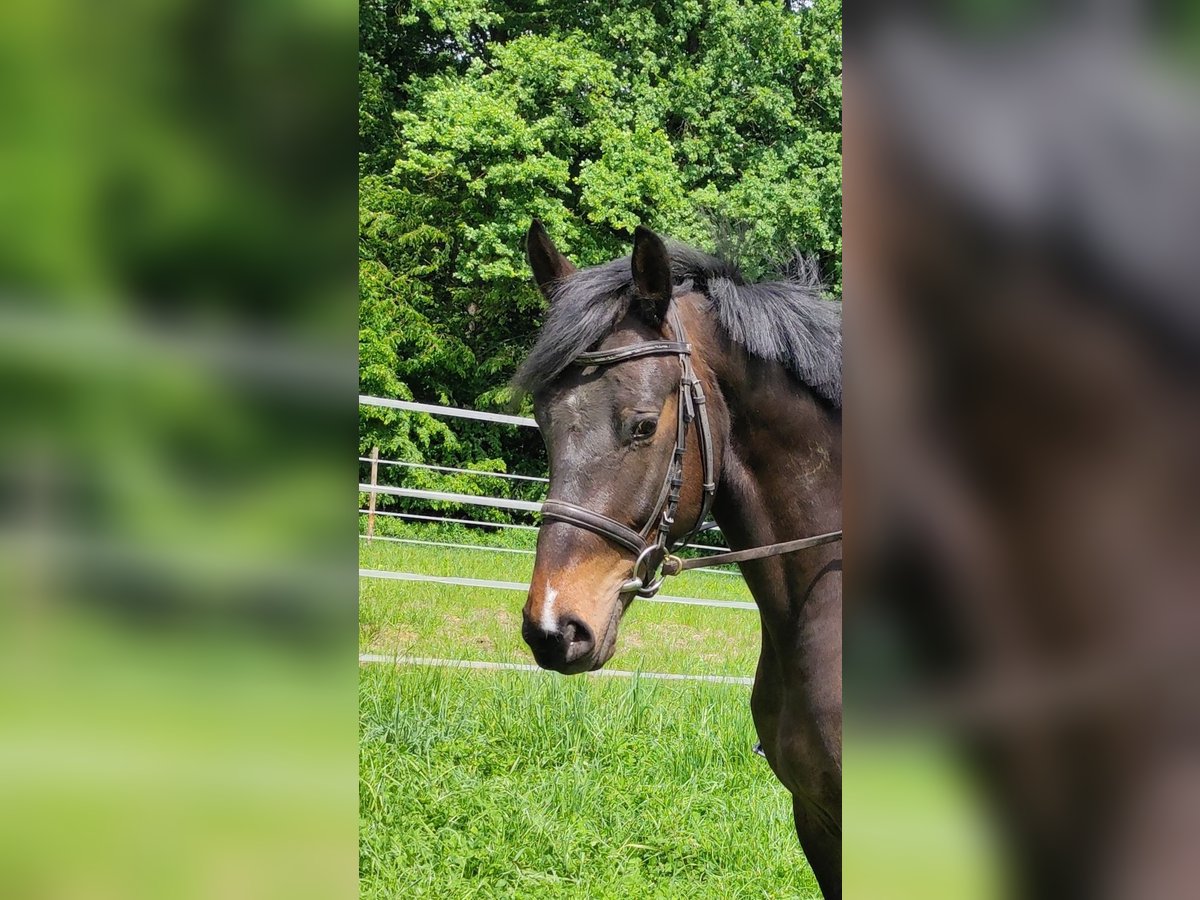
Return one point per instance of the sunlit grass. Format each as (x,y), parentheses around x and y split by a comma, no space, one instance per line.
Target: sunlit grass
(523,784)
(530,784)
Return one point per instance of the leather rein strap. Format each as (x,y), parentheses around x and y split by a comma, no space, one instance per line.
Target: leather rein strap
(673,565)
(651,555)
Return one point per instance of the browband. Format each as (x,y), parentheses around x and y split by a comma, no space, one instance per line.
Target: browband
(632,351)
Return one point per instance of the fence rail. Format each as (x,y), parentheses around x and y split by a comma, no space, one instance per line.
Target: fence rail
(447,497)
(419,517)
(472,500)
(374,488)
(486,548)
(416,542)
(432,409)
(479,472)
(389,575)
(369,658)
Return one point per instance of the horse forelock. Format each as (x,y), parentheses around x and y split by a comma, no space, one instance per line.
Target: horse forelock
(787,321)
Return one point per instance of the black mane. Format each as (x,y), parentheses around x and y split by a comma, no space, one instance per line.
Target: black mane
(786,321)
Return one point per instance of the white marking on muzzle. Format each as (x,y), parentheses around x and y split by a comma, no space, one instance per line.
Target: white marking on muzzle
(548,620)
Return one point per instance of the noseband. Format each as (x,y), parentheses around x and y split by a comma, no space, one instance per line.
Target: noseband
(691,407)
(651,555)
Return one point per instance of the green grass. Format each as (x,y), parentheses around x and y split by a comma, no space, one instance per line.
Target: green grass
(520,784)
(499,784)
(481,784)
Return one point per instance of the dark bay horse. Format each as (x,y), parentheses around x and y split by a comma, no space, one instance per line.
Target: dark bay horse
(767,359)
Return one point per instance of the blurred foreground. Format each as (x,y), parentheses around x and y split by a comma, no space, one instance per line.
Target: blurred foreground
(177,348)
(1021,223)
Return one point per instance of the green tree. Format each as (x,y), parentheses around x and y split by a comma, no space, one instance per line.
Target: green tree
(715,121)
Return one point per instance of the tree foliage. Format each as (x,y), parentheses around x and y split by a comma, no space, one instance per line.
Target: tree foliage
(714,121)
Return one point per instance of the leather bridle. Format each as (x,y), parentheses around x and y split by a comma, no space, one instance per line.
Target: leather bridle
(647,578)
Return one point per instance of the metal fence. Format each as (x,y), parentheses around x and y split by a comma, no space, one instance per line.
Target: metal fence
(372,489)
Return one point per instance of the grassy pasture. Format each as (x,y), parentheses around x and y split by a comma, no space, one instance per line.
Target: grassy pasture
(516,784)
(510,784)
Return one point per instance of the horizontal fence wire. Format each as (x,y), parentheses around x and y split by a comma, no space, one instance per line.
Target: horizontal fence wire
(447,497)
(433,409)
(471,500)
(423,518)
(466,499)
(518,586)
(420,543)
(377,658)
(416,465)
(396,540)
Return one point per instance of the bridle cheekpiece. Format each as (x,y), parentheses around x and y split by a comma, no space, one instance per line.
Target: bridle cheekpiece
(646,578)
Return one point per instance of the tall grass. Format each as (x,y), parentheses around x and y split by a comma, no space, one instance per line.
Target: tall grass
(527,784)
(497,784)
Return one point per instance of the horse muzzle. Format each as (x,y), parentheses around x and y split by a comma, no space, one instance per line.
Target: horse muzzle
(565,645)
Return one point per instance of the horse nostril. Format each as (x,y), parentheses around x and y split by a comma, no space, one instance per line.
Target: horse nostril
(577,637)
(567,631)
(537,638)
(568,641)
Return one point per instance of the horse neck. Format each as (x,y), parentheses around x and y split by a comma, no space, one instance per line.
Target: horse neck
(780,457)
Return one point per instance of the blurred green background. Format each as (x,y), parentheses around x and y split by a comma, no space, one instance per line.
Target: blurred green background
(177,308)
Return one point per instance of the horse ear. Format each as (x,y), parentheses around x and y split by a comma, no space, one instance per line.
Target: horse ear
(651,273)
(547,263)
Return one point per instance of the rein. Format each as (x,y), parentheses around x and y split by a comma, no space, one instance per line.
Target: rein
(673,565)
(657,556)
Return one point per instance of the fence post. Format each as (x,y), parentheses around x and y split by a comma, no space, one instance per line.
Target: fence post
(371,503)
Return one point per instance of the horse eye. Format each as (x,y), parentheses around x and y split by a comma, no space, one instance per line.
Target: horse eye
(644,428)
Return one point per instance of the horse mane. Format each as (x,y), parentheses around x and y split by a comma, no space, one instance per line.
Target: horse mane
(787,321)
